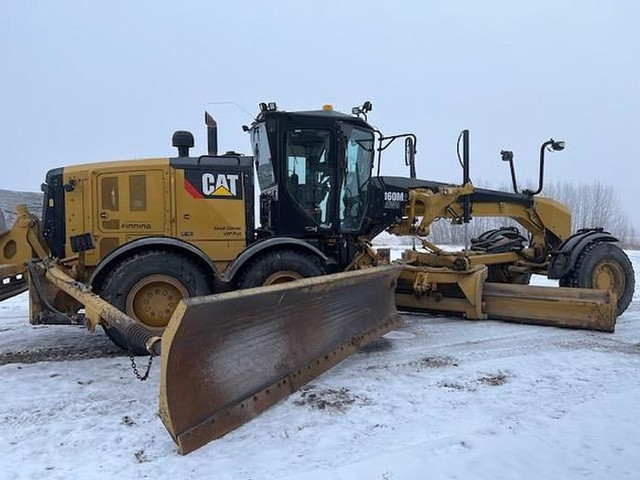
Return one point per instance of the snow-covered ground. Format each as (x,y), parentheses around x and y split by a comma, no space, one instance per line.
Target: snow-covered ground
(442,398)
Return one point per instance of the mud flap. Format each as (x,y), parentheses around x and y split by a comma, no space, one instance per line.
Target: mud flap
(228,357)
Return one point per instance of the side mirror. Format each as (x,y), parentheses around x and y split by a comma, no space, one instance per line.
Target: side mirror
(506,155)
(410,155)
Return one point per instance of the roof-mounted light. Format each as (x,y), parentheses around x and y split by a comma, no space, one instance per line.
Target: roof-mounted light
(268,107)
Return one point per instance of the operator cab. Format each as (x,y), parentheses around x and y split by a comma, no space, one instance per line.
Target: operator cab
(313,170)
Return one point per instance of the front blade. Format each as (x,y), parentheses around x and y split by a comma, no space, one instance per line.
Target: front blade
(228,357)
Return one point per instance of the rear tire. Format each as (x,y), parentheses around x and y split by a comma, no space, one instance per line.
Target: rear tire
(279,266)
(604,266)
(148,286)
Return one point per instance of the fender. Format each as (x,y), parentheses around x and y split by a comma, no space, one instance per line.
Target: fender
(134,246)
(564,258)
(268,244)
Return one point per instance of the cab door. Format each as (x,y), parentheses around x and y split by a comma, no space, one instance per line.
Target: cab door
(309,183)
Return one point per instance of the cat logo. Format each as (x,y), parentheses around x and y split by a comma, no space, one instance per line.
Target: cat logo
(219,185)
(212,184)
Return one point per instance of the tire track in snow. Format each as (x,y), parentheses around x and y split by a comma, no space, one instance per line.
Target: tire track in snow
(60,354)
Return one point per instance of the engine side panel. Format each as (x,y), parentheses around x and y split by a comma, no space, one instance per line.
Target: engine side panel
(213,200)
(116,202)
(207,202)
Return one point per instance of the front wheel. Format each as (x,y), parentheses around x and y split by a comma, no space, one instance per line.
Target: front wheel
(604,266)
(279,266)
(148,287)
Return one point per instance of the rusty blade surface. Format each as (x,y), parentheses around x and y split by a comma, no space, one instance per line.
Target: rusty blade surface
(228,357)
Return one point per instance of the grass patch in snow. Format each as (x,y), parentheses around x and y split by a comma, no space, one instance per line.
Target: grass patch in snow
(494,380)
(329,399)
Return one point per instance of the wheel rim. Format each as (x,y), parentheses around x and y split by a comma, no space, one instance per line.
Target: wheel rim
(282,276)
(153,300)
(608,275)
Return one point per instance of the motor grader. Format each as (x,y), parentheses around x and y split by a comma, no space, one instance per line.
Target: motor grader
(164,254)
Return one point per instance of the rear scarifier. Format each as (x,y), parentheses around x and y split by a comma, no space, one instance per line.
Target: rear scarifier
(279,266)
(604,266)
(148,286)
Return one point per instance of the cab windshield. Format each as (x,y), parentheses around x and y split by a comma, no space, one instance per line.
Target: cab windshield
(359,161)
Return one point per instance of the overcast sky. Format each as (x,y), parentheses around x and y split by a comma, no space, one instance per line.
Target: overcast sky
(90,81)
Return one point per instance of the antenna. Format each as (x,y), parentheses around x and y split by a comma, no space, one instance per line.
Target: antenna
(239,107)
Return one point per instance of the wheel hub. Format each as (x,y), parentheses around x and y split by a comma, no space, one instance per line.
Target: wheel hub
(153,299)
(609,276)
(282,276)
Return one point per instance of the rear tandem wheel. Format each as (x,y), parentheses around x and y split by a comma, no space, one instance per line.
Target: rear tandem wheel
(279,266)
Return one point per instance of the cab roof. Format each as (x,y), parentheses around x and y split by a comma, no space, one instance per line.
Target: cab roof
(322,114)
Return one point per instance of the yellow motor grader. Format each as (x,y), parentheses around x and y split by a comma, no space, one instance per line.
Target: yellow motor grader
(163,254)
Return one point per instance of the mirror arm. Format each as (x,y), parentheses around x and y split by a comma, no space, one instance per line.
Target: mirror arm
(389,140)
(513,176)
(466,178)
(507,156)
(543,147)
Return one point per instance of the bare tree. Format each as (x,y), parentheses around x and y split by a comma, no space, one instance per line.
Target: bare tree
(595,205)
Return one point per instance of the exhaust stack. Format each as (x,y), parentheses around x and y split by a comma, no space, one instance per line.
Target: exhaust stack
(212,134)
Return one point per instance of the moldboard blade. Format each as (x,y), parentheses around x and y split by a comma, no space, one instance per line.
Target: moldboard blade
(556,306)
(228,357)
